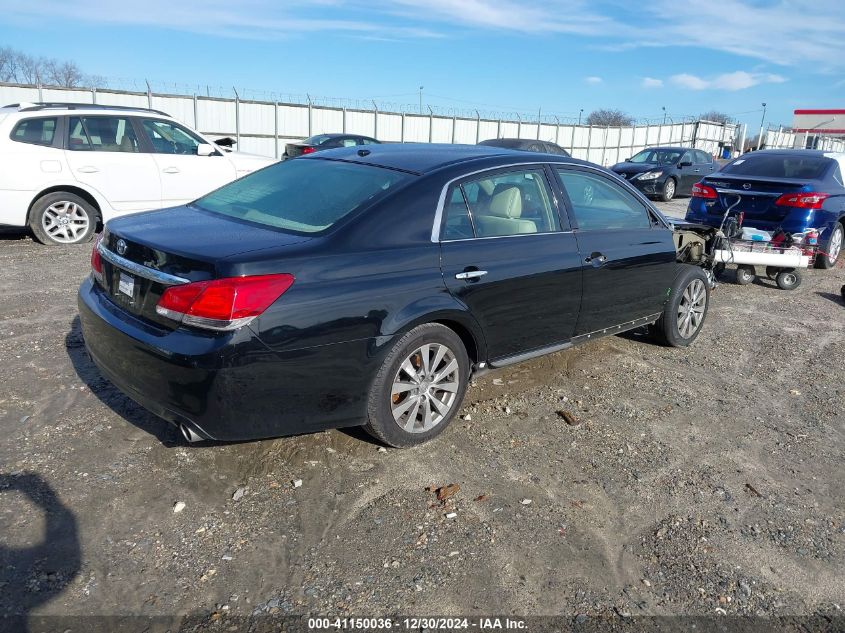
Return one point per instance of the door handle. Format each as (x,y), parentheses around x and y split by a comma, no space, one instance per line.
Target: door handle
(88,170)
(171,170)
(696,170)
(469,275)
(596,259)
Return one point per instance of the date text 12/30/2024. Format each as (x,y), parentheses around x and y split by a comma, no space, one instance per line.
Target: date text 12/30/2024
(416,624)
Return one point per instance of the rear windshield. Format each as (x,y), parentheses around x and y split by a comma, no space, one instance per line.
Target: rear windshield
(317,140)
(778,166)
(306,196)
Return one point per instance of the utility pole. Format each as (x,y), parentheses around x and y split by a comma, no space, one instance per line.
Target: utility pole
(421,89)
(579,115)
(664,114)
(760,136)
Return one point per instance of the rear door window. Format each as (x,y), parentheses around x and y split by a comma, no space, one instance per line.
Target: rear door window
(101,134)
(599,204)
(35,131)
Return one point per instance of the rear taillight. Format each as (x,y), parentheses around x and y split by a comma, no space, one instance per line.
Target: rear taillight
(803,200)
(222,304)
(97,261)
(700,190)
(308,150)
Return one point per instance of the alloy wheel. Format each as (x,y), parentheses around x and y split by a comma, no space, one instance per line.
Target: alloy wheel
(425,388)
(65,222)
(835,246)
(670,189)
(691,308)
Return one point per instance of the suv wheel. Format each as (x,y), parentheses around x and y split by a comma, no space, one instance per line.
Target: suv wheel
(834,248)
(685,311)
(419,388)
(669,188)
(62,218)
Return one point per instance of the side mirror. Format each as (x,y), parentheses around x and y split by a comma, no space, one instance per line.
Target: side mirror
(685,163)
(627,160)
(206,149)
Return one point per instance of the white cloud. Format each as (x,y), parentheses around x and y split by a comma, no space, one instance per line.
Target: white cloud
(593,80)
(739,80)
(651,82)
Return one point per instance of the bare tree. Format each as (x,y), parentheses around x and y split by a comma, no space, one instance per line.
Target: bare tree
(19,67)
(716,116)
(609,118)
(64,74)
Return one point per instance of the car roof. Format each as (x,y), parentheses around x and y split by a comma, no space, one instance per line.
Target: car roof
(42,108)
(792,152)
(423,158)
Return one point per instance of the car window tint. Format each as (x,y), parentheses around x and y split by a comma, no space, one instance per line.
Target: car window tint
(101,134)
(778,166)
(457,223)
(599,204)
(368,141)
(703,157)
(513,203)
(348,142)
(35,131)
(169,138)
(687,157)
(305,196)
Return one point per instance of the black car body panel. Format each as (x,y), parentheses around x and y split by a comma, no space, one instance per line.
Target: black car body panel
(691,166)
(307,362)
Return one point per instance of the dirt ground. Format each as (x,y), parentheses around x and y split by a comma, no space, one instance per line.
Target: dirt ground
(698,481)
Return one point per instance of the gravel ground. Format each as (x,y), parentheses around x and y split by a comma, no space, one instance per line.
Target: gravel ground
(616,478)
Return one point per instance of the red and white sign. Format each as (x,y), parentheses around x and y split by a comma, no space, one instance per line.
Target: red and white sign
(827,122)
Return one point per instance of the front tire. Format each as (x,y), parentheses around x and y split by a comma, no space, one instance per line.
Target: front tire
(669,190)
(834,248)
(745,274)
(419,388)
(788,279)
(61,218)
(685,311)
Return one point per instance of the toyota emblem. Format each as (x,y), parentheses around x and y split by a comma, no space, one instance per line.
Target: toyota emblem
(121,247)
(746,186)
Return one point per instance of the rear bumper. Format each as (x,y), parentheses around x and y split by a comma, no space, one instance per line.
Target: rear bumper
(226,386)
(14,206)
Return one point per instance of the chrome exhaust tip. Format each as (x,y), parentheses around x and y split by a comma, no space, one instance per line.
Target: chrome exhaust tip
(189,434)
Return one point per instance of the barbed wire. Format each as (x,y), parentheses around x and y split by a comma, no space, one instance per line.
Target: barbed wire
(424,108)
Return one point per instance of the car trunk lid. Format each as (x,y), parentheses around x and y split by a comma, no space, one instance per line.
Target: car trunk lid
(754,197)
(144,254)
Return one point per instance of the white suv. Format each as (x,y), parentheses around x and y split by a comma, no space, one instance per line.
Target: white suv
(68,168)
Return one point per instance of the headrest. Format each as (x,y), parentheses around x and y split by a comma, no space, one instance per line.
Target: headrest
(507,203)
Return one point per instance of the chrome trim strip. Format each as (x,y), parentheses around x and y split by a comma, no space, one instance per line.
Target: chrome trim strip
(518,358)
(138,269)
(616,329)
(749,193)
(441,203)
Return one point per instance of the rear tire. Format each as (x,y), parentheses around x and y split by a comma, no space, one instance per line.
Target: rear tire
(833,249)
(419,388)
(745,274)
(670,187)
(788,279)
(62,218)
(686,310)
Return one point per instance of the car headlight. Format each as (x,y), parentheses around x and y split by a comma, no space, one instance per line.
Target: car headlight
(651,175)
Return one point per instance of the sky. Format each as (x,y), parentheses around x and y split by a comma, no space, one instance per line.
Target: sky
(558,57)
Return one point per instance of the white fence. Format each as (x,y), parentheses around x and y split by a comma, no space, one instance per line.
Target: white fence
(263,127)
(780,138)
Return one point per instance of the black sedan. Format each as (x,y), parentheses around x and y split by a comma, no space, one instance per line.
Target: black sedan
(366,286)
(665,172)
(326,141)
(526,145)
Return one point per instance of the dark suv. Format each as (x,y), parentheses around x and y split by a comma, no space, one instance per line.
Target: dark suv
(366,286)
(665,172)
